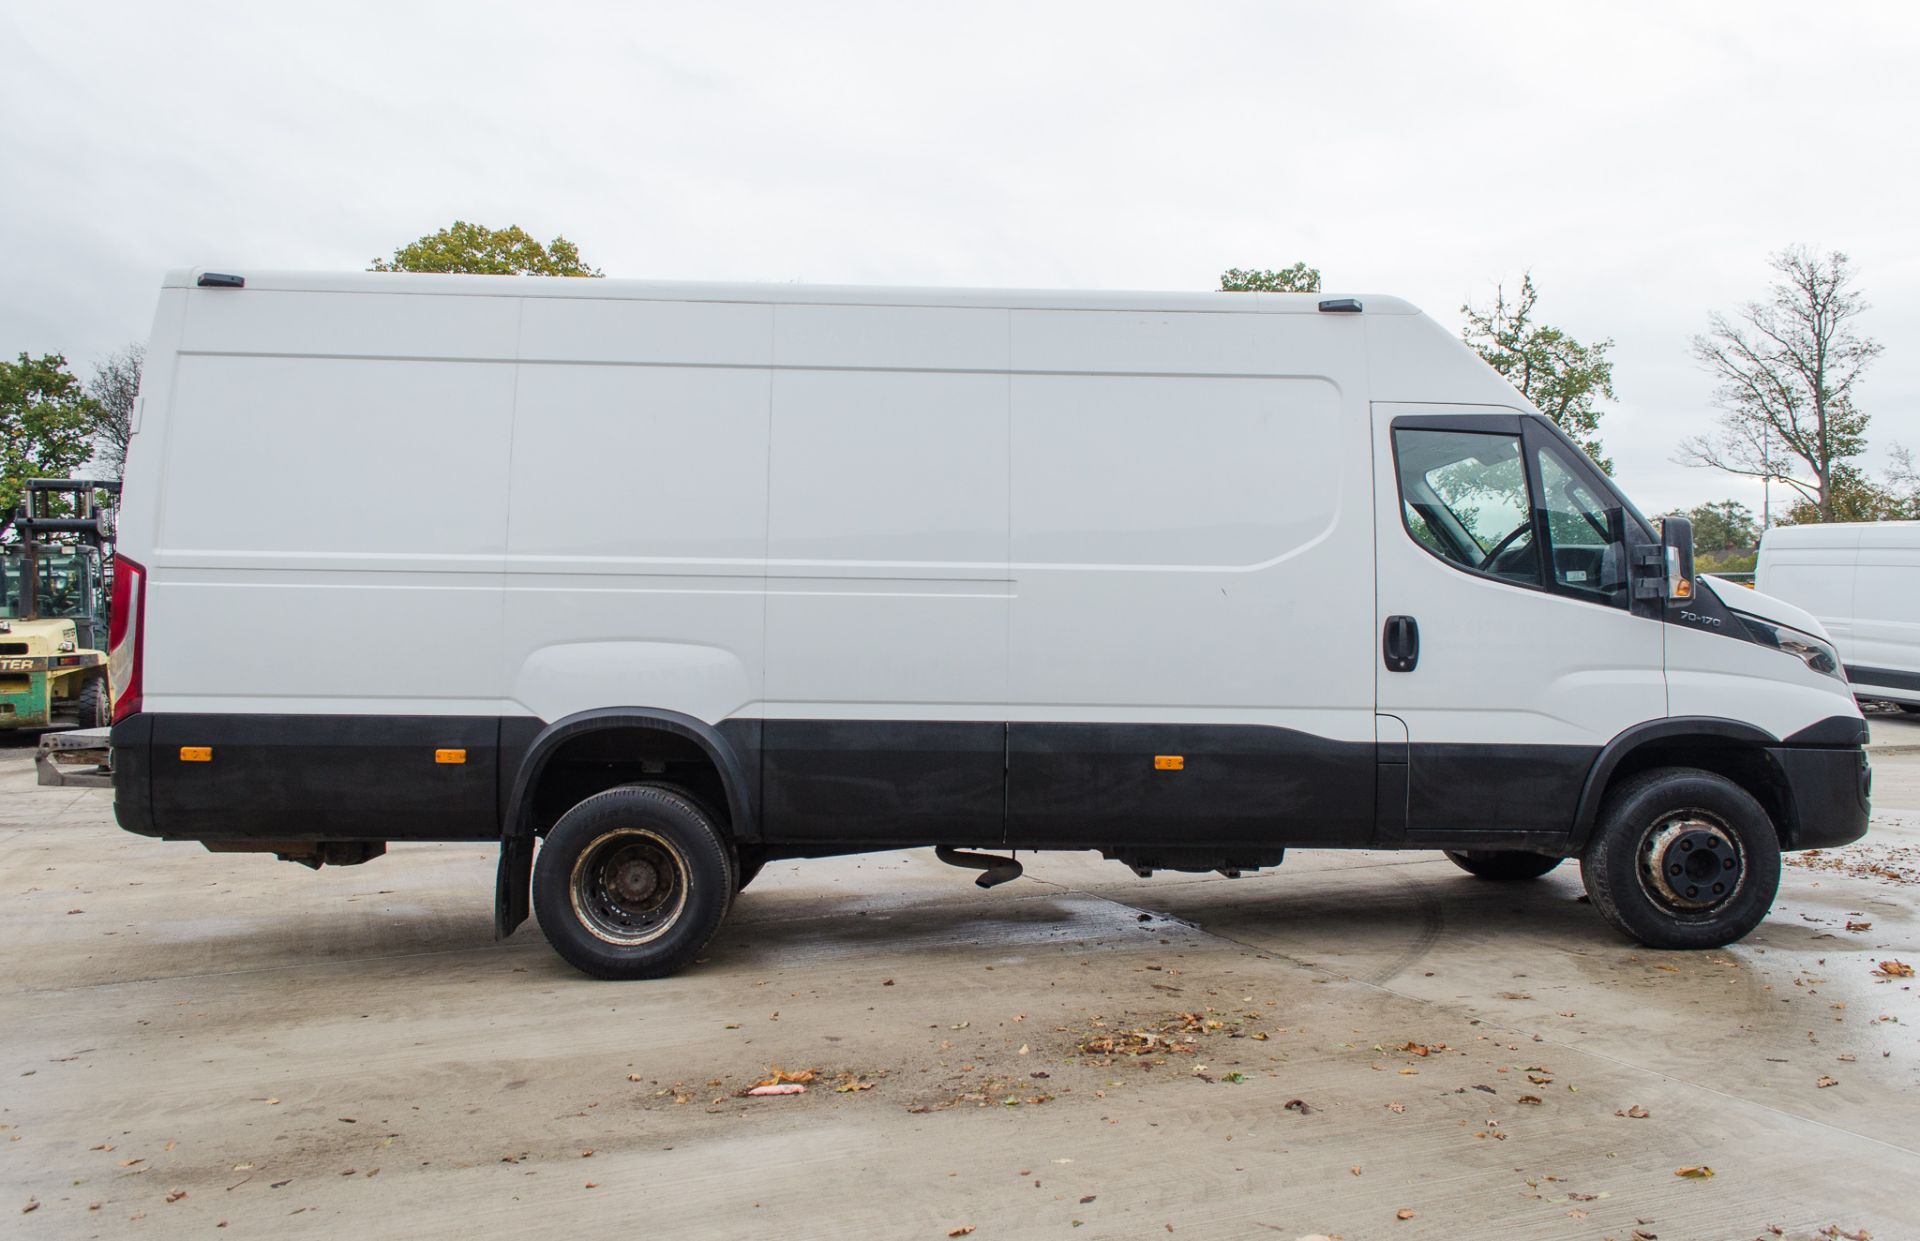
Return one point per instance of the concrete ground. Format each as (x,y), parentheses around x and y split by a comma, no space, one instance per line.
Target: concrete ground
(194,1042)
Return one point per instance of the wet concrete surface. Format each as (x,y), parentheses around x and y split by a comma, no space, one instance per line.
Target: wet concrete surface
(348,1053)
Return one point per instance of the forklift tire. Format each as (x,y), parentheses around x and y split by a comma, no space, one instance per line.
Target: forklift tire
(1682,858)
(632,882)
(1503,864)
(94,709)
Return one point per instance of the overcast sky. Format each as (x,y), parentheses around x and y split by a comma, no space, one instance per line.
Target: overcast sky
(1641,160)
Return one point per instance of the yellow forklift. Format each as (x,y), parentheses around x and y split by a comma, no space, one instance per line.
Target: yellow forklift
(54,593)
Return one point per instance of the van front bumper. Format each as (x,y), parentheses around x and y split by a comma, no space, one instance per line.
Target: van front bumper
(1828,792)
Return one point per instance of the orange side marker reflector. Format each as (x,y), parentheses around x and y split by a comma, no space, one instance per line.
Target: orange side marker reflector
(449,756)
(1169,762)
(196,754)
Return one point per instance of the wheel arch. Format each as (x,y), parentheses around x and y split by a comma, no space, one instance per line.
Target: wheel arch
(634,731)
(1734,749)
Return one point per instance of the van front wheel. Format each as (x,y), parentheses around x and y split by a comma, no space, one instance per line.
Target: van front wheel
(1502,863)
(1682,858)
(632,882)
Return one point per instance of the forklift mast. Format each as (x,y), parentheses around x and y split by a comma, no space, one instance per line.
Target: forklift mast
(91,524)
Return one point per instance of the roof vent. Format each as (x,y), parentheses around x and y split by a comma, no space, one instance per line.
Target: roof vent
(1332,306)
(221,280)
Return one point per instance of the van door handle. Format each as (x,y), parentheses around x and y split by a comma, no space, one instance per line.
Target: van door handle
(1400,643)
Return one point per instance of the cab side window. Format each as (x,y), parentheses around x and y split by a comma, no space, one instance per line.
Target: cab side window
(1464,497)
(1585,528)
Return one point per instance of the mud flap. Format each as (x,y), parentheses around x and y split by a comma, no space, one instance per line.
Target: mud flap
(513,886)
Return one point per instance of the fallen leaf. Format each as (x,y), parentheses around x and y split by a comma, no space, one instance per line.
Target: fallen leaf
(1403,1213)
(176,1195)
(1396,1108)
(33,1204)
(1417,1049)
(1528,1098)
(128,1163)
(961,1231)
(1088,1198)
(1896,969)
(1859,926)
(1298,1105)
(1826,1081)
(1636,1112)
(1700,1173)
(780,1077)
(271,1102)
(591,1185)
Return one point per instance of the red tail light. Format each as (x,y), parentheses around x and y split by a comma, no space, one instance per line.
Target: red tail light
(125,626)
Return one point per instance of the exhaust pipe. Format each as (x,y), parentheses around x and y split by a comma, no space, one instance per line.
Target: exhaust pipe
(998,870)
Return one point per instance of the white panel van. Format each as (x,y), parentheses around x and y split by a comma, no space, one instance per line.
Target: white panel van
(1862,579)
(652,583)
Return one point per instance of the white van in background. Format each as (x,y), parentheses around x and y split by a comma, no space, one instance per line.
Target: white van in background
(1862,579)
(669,580)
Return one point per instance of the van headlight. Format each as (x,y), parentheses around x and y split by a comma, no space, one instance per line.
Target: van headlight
(1816,654)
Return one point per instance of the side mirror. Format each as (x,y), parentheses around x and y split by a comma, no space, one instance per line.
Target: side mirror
(1676,540)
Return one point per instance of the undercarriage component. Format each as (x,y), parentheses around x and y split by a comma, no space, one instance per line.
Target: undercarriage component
(1232,864)
(312,853)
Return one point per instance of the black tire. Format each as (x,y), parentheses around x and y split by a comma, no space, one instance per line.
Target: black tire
(633,882)
(1502,864)
(92,705)
(1682,858)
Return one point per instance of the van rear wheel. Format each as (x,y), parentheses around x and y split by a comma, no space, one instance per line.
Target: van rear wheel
(1502,863)
(632,882)
(1682,858)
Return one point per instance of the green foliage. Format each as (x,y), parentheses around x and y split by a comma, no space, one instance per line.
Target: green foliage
(1296,279)
(1726,536)
(46,424)
(1723,526)
(1852,496)
(478,250)
(1560,376)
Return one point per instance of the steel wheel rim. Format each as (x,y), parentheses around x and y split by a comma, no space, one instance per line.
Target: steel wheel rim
(1690,863)
(629,887)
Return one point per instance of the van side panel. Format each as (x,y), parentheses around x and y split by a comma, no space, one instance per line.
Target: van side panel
(1882,649)
(1187,529)
(637,545)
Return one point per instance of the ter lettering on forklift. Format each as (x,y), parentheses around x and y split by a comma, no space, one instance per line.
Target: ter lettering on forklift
(690,577)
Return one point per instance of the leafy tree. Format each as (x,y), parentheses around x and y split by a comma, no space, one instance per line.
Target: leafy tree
(46,424)
(1560,376)
(1723,525)
(1787,368)
(479,250)
(1726,536)
(1856,497)
(1296,279)
(115,384)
